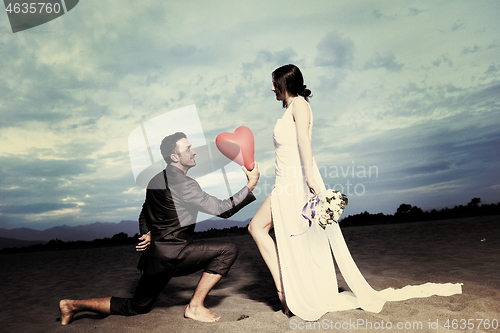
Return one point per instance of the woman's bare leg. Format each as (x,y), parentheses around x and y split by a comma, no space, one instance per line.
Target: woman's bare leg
(259,228)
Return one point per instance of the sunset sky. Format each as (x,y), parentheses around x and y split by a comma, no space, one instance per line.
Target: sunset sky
(405,93)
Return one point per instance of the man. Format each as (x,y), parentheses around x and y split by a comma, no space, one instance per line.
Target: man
(166,222)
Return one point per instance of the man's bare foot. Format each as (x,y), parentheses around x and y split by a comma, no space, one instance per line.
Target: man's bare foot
(200,313)
(67,311)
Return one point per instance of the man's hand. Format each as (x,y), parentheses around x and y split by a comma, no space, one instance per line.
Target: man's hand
(252,176)
(146,240)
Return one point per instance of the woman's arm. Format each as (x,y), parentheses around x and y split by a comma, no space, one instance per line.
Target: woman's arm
(301,115)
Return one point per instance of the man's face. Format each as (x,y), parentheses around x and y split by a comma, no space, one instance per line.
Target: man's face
(185,153)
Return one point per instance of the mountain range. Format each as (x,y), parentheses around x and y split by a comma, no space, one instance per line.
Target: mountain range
(25,236)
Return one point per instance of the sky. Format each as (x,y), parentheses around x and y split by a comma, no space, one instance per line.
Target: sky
(406,99)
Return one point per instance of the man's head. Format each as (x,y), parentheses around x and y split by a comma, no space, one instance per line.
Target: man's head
(176,150)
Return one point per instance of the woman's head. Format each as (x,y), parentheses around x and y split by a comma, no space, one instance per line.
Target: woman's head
(288,82)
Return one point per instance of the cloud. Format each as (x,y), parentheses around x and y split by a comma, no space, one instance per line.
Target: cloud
(457,25)
(426,169)
(468,50)
(379,15)
(335,50)
(34,168)
(278,58)
(332,80)
(388,62)
(415,11)
(74,88)
(37,90)
(41,193)
(419,159)
(34,208)
(443,58)
(492,69)
(447,124)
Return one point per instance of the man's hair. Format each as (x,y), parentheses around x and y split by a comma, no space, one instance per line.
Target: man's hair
(169,145)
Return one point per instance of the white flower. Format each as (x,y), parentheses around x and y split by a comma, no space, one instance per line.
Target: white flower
(336,216)
(329,193)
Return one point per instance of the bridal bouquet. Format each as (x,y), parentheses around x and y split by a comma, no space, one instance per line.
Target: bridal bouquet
(331,206)
(325,208)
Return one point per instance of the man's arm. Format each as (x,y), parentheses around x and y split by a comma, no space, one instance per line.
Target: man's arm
(143,225)
(204,202)
(195,197)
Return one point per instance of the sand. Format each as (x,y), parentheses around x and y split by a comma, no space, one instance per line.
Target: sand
(462,250)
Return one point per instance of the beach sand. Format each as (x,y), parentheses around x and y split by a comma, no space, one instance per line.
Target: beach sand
(462,250)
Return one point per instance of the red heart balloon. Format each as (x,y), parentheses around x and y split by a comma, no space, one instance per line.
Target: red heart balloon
(238,146)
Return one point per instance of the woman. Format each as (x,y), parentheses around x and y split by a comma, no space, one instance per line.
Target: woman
(301,263)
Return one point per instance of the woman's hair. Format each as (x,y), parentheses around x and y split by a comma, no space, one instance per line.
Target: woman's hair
(288,79)
(169,145)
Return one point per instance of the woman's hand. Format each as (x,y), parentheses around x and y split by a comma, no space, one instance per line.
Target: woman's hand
(313,187)
(146,240)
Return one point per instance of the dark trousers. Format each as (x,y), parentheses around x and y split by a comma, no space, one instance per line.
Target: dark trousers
(212,256)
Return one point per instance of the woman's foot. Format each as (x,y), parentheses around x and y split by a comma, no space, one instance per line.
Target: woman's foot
(282,298)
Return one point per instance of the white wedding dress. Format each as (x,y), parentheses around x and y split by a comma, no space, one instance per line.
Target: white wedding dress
(305,257)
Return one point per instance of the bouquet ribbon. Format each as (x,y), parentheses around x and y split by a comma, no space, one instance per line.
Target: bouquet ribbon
(311,204)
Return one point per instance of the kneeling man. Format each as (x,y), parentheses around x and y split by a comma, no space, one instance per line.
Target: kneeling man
(167,222)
